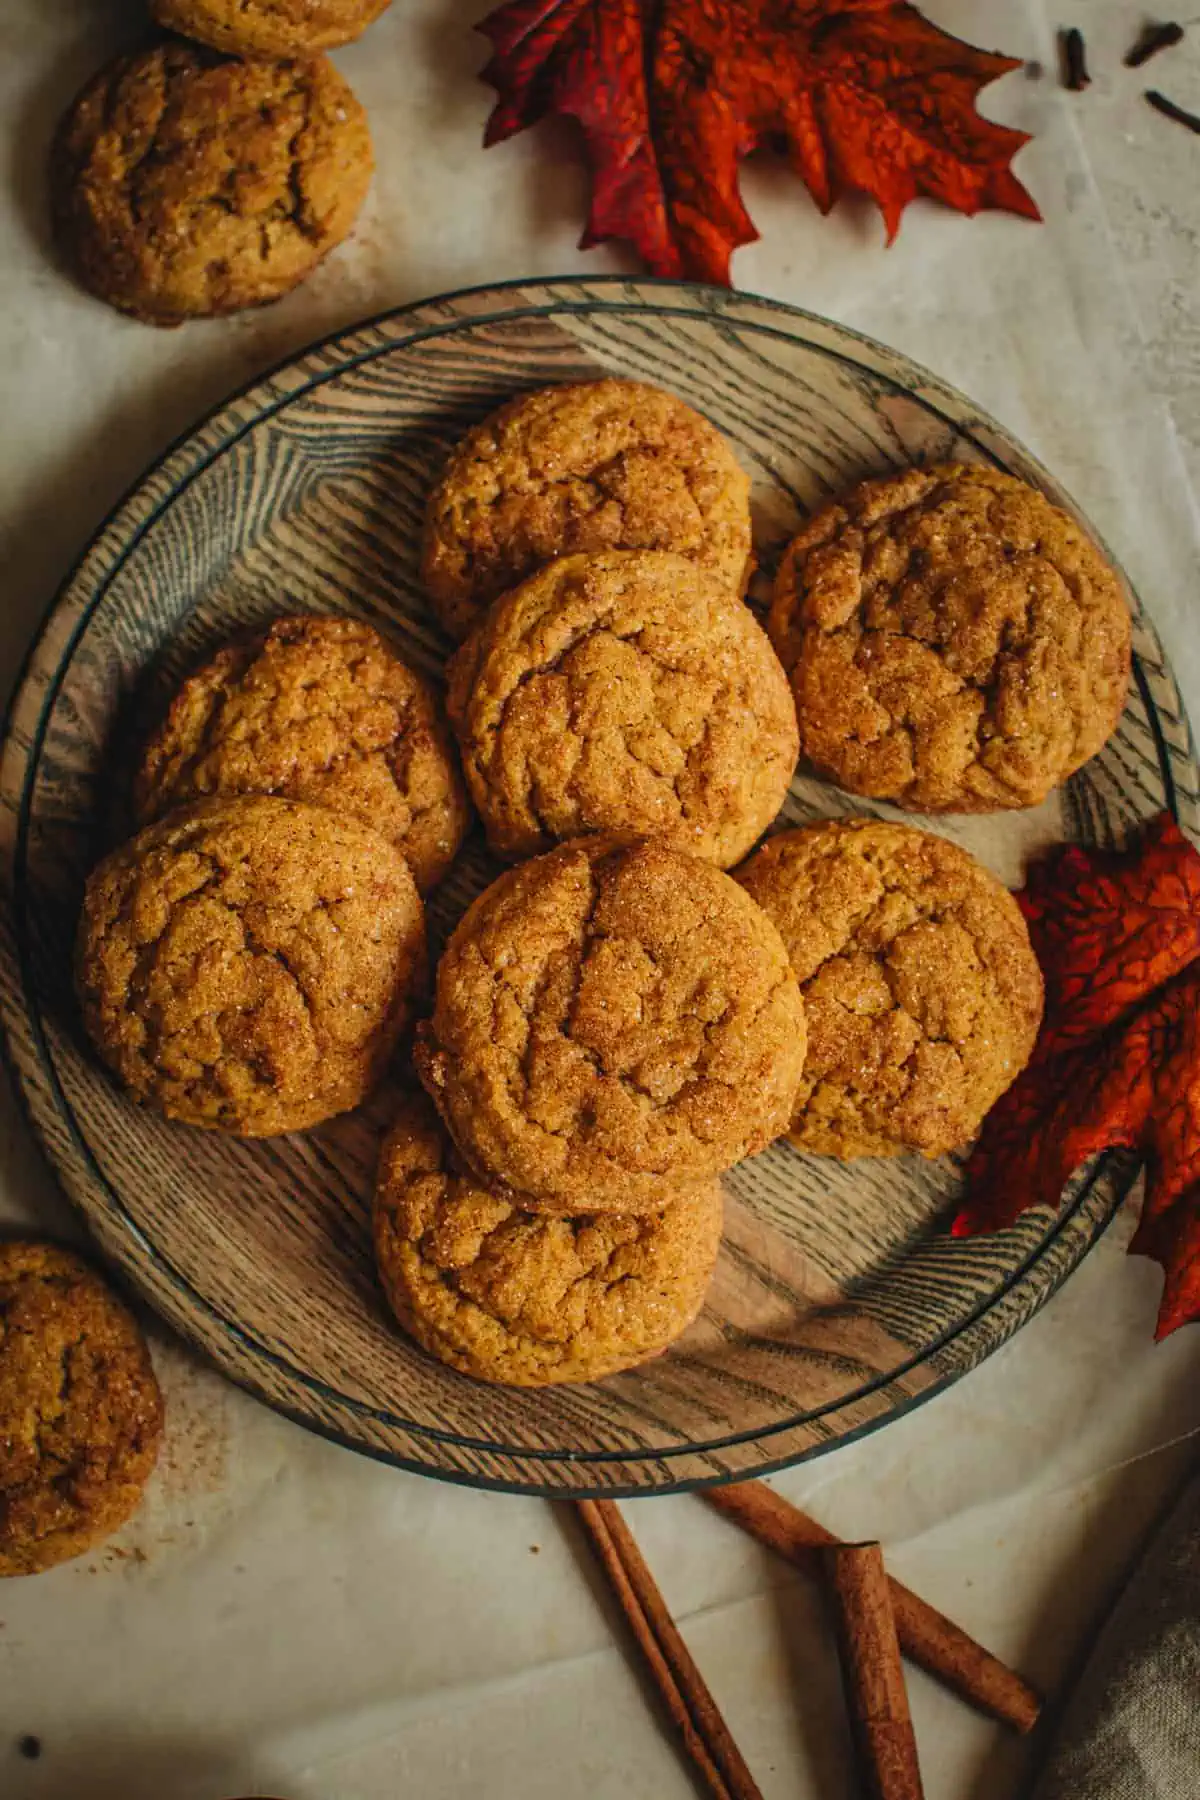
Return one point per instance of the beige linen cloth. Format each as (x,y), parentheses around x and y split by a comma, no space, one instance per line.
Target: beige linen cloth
(1132,1728)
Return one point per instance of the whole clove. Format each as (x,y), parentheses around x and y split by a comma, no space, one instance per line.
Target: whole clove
(1073,54)
(1153,39)
(1169,110)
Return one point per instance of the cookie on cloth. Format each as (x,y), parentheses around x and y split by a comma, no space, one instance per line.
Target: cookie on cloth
(269,27)
(81,1415)
(186,184)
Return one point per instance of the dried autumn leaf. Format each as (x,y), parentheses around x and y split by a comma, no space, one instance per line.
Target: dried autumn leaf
(1108,928)
(863,95)
(1117,1064)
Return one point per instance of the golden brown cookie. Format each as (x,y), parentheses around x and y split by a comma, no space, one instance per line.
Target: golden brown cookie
(610,1017)
(269,27)
(603,465)
(80,1410)
(315,709)
(247,965)
(955,642)
(628,692)
(520,1297)
(921,990)
(187,184)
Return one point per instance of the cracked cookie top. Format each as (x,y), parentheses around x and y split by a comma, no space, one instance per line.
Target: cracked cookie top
(315,709)
(602,465)
(921,991)
(247,965)
(269,27)
(628,692)
(187,184)
(509,1295)
(955,643)
(80,1410)
(609,1017)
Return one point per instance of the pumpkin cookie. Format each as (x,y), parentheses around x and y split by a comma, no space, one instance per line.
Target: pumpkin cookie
(269,27)
(629,692)
(186,184)
(519,1297)
(81,1414)
(247,965)
(955,642)
(921,991)
(605,465)
(315,709)
(610,1017)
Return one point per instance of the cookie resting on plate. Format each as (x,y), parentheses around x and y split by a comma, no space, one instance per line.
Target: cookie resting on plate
(629,692)
(527,1298)
(610,1017)
(319,709)
(248,965)
(599,465)
(955,642)
(921,990)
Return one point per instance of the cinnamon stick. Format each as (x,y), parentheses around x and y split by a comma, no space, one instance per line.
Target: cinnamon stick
(872,1673)
(926,1636)
(690,1706)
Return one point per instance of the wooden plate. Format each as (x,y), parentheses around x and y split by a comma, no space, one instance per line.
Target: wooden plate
(840,1299)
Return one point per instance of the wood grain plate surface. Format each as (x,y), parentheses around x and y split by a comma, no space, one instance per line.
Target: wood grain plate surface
(840,1298)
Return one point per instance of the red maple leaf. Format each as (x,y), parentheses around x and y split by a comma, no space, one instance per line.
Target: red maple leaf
(1117,1063)
(1109,928)
(863,95)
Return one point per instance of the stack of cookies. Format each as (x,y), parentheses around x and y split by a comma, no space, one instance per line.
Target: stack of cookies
(617,1019)
(249,961)
(214,170)
(592,543)
(609,1022)
(615,1023)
